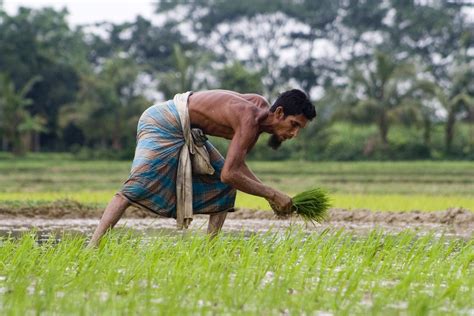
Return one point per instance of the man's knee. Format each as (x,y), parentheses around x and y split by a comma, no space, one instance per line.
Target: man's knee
(120,199)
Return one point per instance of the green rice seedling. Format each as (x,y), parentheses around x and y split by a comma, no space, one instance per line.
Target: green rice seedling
(312,205)
(379,202)
(332,272)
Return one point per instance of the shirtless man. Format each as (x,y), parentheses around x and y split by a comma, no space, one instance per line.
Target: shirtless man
(241,118)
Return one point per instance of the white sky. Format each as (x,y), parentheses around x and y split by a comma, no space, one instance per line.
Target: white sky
(116,11)
(90,11)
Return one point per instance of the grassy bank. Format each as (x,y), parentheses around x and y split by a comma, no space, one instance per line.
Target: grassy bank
(383,202)
(421,185)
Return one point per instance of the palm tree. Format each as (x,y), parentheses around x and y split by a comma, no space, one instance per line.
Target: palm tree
(422,105)
(456,98)
(15,120)
(108,104)
(183,77)
(378,89)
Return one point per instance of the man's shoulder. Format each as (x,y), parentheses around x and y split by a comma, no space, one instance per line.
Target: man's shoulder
(251,97)
(232,104)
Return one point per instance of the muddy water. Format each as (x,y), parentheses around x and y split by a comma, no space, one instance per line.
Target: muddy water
(70,216)
(68,209)
(150,226)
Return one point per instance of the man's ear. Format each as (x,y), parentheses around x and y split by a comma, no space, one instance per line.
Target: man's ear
(279,112)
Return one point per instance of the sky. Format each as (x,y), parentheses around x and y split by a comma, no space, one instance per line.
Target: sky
(83,12)
(116,11)
(90,11)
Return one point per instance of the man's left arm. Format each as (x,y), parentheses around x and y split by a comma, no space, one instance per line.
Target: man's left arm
(246,170)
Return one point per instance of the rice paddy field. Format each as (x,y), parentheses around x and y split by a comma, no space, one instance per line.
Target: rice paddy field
(386,186)
(291,271)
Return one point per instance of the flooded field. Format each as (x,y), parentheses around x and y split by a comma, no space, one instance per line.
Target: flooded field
(456,223)
(69,216)
(399,241)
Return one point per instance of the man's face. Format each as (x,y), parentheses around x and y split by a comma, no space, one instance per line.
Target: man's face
(286,127)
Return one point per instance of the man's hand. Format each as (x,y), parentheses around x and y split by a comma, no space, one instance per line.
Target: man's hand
(281,204)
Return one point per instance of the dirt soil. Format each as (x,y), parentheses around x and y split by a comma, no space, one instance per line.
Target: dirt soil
(150,226)
(70,215)
(67,209)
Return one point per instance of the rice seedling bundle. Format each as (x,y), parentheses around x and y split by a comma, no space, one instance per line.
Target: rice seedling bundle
(312,205)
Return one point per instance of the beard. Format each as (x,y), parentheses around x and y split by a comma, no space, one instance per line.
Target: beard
(273,142)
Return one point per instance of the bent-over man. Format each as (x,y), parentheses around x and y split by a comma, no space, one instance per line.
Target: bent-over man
(177,172)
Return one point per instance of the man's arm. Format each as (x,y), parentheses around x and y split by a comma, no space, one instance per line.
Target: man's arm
(246,170)
(276,208)
(237,174)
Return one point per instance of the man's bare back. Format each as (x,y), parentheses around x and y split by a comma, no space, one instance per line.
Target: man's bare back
(242,118)
(220,112)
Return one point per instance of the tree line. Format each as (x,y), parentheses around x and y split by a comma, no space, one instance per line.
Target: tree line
(390,79)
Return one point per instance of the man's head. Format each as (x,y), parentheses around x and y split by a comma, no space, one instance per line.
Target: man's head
(292,111)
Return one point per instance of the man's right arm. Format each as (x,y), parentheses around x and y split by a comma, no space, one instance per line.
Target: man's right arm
(236,173)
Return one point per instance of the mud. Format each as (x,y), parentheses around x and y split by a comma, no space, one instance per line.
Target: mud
(148,226)
(69,215)
(57,209)
(454,216)
(68,209)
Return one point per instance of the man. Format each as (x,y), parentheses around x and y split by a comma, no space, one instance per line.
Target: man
(163,137)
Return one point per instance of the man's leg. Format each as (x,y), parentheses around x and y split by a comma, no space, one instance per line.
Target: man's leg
(112,214)
(215,223)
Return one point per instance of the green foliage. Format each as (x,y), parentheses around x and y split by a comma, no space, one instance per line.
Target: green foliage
(40,43)
(274,21)
(375,63)
(456,99)
(236,78)
(108,107)
(347,142)
(361,142)
(183,76)
(377,83)
(15,120)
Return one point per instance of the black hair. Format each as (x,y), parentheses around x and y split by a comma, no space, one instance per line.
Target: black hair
(295,102)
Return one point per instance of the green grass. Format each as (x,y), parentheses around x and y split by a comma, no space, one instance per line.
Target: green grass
(385,202)
(422,185)
(272,274)
(51,173)
(419,177)
(382,202)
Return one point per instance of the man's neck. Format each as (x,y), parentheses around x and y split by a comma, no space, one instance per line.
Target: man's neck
(266,123)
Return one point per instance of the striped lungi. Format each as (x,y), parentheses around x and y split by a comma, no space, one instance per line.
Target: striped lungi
(152,181)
